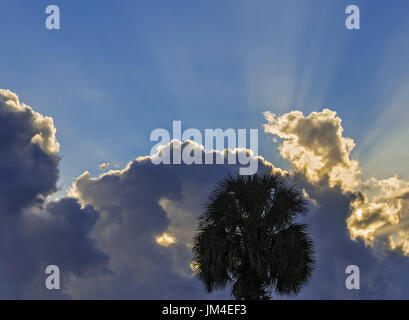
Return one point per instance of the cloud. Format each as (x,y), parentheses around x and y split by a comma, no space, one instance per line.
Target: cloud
(127,233)
(28,163)
(181,221)
(40,128)
(104,166)
(316,148)
(148,219)
(58,233)
(380,215)
(35,233)
(380,271)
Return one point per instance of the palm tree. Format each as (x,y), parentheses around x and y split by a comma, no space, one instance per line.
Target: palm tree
(248,238)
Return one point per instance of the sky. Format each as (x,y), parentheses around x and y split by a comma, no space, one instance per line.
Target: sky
(114,72)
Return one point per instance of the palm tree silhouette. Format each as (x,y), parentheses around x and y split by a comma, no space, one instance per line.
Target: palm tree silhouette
(248,238)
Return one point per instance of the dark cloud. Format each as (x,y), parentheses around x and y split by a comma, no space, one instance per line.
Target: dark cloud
(28,170)
(380,272)
(34,234)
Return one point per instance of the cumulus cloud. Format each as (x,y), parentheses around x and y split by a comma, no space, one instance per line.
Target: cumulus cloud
(380,215)
(316,148)
(35,233)
(148,219)
(127,233)
(28,165)
(40,128)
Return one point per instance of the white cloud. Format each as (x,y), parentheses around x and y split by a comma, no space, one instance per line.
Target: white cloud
(316,148)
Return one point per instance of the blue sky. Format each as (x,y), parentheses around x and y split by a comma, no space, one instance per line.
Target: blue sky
(115,71)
